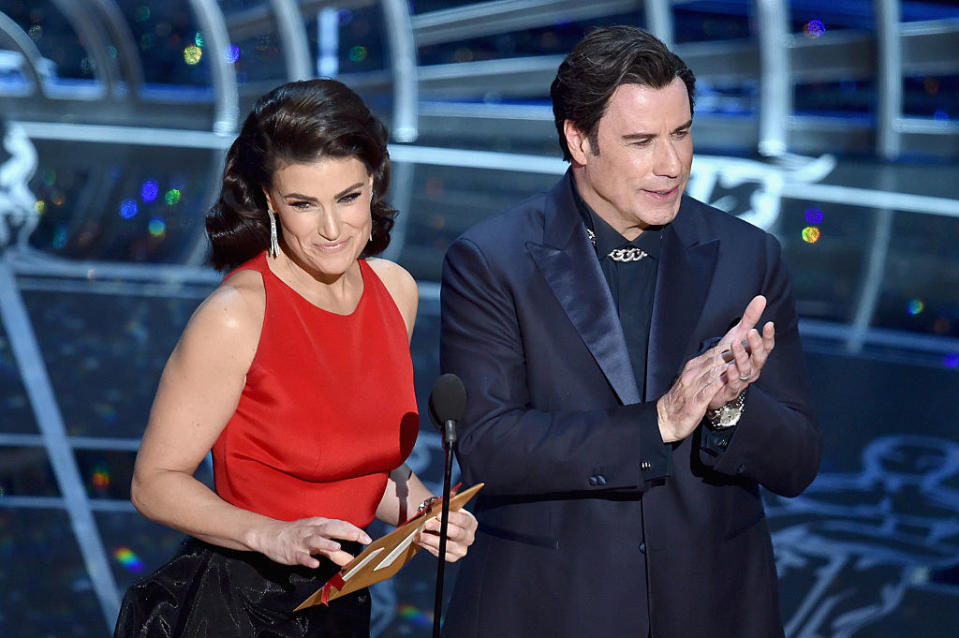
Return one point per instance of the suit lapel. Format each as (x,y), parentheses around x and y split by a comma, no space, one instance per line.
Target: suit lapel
(685,275)
(568,263)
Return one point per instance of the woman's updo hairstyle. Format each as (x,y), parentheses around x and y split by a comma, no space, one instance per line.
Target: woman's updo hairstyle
(298,122)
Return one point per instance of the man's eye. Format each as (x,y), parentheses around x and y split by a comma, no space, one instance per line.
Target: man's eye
(682,133)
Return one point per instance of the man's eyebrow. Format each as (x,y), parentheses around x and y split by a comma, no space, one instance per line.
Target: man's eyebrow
(638,136)
(630,137)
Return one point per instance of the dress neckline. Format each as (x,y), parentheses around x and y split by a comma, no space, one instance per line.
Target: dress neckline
(364,267)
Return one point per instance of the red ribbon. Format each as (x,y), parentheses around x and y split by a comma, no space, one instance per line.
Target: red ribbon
(336,582)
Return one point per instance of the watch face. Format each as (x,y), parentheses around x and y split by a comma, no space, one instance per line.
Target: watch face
(728,417)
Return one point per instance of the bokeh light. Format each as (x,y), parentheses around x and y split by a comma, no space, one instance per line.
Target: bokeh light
(157,227)
(915,306)
(141,13)
(192,54)
(810,234)
(129,209)
(59,238)
(101,478)
(232,54)
(814,28)
(49,177)
(951,360)
(463,54)
(942,326)
(415,616)
(813,216)
(149,190)
(40,207)
(358,53)
(198,39)
(172,197)
(126,557)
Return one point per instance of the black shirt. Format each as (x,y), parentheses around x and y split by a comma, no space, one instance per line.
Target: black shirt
(633,286)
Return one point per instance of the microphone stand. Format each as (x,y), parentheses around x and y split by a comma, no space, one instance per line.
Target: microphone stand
(449,440)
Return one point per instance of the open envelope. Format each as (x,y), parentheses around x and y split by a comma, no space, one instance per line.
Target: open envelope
(385,556)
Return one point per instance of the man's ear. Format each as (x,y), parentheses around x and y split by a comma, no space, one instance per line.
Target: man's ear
(577,142)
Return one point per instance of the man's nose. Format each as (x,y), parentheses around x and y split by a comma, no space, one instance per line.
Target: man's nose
(667,162)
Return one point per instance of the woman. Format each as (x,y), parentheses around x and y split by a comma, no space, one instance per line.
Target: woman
(296,373)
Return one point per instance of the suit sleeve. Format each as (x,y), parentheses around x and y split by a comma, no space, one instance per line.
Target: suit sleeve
(505,443)
(777,442)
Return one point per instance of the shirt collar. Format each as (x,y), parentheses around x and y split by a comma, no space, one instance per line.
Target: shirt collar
(607,237)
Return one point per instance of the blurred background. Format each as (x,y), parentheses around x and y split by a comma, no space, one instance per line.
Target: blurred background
(834,125)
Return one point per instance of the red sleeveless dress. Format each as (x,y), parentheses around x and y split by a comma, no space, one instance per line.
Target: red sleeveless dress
(327,411)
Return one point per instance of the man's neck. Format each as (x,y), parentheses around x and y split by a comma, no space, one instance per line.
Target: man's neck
(603,208)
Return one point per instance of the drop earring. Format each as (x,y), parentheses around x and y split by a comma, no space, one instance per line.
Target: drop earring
(274,243)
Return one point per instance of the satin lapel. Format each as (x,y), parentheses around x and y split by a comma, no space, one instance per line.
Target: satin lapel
(568,263)
(685,274)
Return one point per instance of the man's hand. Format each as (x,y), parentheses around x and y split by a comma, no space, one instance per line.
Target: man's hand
(746,350)
(717,376)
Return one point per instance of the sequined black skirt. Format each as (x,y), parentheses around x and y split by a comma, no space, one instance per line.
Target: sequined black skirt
(206,591)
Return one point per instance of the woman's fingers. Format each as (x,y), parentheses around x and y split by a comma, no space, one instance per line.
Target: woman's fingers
(460,534)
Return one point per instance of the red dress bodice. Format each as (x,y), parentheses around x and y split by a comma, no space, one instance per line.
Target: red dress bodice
(327,411)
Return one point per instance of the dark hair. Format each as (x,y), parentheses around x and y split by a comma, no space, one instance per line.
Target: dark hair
(295,122)
(602,61)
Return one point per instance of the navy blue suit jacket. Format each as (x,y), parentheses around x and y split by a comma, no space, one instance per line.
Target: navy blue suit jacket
(569,530)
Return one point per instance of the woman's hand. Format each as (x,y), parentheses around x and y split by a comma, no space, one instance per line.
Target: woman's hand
(297,542)
(460,534)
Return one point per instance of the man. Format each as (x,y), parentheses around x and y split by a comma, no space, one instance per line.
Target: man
(623,407)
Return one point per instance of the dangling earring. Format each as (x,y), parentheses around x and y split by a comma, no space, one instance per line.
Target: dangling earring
(371,237)
(274,243)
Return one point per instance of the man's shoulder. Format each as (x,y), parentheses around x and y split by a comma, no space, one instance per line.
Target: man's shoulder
(517,224)
(718,222)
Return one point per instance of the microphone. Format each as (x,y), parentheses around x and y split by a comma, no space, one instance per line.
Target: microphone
(446,406)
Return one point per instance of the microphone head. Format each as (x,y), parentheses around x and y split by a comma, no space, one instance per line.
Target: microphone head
(447,400)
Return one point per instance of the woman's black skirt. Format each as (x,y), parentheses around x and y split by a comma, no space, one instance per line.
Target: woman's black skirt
(206,591)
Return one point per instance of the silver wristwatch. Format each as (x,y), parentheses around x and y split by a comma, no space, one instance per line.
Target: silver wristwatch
(727,415)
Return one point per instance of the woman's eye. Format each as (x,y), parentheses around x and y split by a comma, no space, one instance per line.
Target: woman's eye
(300,205)
(346,199)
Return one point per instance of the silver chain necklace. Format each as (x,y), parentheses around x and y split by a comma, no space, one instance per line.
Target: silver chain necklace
(623,255)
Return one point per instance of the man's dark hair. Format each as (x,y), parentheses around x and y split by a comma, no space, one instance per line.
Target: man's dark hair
(602,61)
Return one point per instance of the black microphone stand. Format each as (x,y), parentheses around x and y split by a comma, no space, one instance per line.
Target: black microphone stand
(449,440)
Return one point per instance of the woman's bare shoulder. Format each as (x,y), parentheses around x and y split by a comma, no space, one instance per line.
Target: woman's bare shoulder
(401,286)
(232,313)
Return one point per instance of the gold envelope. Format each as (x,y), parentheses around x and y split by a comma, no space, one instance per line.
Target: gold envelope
(384,557)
